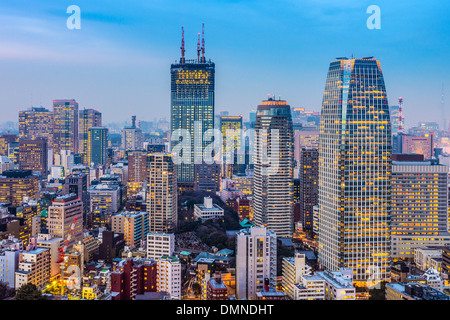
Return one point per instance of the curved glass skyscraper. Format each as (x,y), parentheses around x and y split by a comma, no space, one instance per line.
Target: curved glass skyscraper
(355,171)
(273,184)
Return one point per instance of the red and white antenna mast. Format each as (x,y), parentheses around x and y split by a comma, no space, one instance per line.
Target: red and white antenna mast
(198,48)
(203,42)
(400,115)
(182,44)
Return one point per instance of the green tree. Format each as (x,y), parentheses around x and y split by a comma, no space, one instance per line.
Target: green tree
(5,291)
(29,291)
(197,289)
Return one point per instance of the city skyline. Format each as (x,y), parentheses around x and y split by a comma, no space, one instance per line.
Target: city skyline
(118,61)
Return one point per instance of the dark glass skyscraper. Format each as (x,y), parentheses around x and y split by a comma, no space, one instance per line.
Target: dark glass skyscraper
(192,112)
(355,171)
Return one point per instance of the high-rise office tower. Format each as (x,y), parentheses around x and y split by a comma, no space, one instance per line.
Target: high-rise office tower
(273,193)
(33,155)
(162,193)
(192,112)
(97,145)
(231,128)
(308,185)
(87,118)
(36,123)
(65,211)
(132,138)
(65,126)
(355,171)
(419,205)
(137,166)
(256,261)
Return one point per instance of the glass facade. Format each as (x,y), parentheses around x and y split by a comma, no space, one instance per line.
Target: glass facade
(355,171)
(65,126)
(192,101)
(273,182)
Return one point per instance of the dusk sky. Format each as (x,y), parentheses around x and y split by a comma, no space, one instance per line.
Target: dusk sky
(119,61)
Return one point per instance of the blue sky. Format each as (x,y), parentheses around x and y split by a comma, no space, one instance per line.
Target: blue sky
(119,61)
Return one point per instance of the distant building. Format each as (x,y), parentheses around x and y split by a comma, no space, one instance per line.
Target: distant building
(33,155)
(87,118)
(134,226)
(65,125)
(418,144)
(97,146)
(36,123)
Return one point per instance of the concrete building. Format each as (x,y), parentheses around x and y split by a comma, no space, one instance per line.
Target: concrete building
(169,276)
(53,245)
(133,225)
(427,257)
(64,212)
(338,284)
(160,244)
(33,155)
(34,267)
(162,193)
(310,287)
(207,210)
(9,263)
(105,197)
(294,268)
(216,289)
(419,211)
(36,123)
(17,184)
(413,291)
(255,261)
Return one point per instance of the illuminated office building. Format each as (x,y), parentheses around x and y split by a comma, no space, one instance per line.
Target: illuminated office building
(36,123)
(192,107)
(16,184)
(308,185)
(65,126)
(33,155)
(355,171)
(87,118)
(97,145)
(273,184)
(419,206)
(231,128)
(162,193)
(418,144)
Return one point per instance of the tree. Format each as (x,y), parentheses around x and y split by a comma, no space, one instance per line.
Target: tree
(197,289)
(5,291)
(378,293)
(29,291)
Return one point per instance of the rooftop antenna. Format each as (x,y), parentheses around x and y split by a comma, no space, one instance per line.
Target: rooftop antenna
(198,48)
(182,44)
(203,42)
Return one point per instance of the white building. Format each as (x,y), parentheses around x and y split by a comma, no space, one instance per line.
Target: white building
(9,263)
(310,287)
(425,258)
(338,284)
(256,260)
(160,244)
(293,270)
(207,210)
(168,276)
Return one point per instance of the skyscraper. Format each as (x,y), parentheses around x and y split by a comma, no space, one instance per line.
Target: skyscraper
(87,118)
(192,112)
(355,171)
(36,123)
(308,185)
(231,128)
(162,193)
(65,126)
(273,193)
(97,145)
